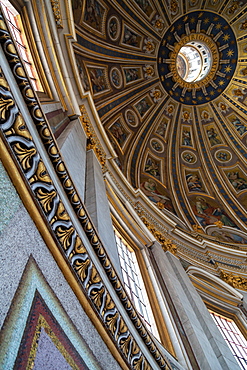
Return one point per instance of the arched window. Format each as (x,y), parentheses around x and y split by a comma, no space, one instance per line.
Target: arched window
(18,34)
(233,337)
(134,284)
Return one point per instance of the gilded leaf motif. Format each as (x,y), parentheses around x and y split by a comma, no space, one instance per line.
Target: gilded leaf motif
(95,278)
(122,327)
(81,268)
(42,174)
(135,349)
(125,345)
(112,322)
(20,128)
(25,155)
(138,364)
(61,212)
(79,247)
(4,107)
(65,236)
(46,199)
(109,304)
(96,296)
(3,82)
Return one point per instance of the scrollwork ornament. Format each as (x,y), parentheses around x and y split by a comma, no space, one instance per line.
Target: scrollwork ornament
(169,246)
(57,13)
(236,281)
(93,142)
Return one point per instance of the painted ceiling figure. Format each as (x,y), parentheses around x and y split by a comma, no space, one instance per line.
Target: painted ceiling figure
(194,183)
(207,214)
(238,182)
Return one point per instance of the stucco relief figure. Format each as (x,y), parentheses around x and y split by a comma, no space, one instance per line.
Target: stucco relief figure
(152,167)
(118,132)
(238,182)
(213,137)
(223,156)
(116,78)
(131,118)
(240,126)
(143,106)
(161,130)
(77,9)
(188,157)
(186,137)
(97,79)
(130,38)
(208,214)
(194,183)
(94,14)
(131,74)
(149,188)
(145,6)
(156,146)
(82,74)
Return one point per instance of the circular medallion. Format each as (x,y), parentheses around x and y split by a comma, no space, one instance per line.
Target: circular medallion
(223,155)
(157,145)
(116,78)
(113,28)
(189,157)
(197,57)
(131,118)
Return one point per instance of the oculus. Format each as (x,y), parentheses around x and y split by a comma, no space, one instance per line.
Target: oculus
(193,61)
(197,57)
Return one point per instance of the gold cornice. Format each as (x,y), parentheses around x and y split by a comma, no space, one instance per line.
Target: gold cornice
(166,243)
(236,281)
(93,142)
(202,287)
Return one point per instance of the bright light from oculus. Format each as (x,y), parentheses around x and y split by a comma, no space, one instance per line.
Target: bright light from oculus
(193,61)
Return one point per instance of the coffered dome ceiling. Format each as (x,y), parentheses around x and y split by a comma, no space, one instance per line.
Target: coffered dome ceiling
(168,79)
